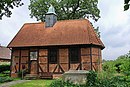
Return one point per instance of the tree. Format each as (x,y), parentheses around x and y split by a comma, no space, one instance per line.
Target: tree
(120,65)
(97,32)
(7,5)
(126,4)
(65,9)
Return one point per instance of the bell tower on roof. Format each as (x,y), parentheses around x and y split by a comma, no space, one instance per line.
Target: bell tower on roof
(50,17)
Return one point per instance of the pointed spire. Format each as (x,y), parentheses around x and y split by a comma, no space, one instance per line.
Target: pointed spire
(51,10)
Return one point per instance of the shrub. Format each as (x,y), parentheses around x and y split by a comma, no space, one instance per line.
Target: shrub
(104,75)
(57,83)
(126,73)
(91,78)
(24,73)
(95,80)
(4,68)
(61,83)
(113,81)
(5,79)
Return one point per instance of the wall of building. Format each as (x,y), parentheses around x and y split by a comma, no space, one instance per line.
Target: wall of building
(90,59)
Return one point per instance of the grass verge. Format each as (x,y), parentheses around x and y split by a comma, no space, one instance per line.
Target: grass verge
(34,83)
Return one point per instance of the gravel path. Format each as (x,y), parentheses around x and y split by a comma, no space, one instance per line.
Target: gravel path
(8,84)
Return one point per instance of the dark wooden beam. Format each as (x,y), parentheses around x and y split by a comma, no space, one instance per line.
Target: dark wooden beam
(91,58)
(80,59)
(11,61)
(68,58)
(61,69)
(48,60)
(55,68)
(41,69)
(29,62)
(19,60)
(99,59)
(58,60)
(38,61)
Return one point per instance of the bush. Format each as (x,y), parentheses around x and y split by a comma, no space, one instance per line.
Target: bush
(57,83)
(24,73)
(95,80)
(5,79)
(4,68)
(91,78)
(61,83)
(112,82)
(104,75)
(106,81)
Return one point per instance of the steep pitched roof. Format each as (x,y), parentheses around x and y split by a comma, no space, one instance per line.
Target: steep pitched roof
(67,32)
(5,53)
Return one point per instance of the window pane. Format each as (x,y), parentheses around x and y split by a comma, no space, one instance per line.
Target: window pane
(33,55)
(52,56)
(74,55)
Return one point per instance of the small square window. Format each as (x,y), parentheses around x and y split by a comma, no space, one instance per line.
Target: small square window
(33,55)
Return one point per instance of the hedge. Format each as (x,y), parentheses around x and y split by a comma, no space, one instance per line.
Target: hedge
(4,68)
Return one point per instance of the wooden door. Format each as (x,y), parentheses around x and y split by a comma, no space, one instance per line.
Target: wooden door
(33,67)
(33,62)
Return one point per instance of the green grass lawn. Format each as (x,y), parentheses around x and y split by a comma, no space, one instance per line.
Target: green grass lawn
(34,83)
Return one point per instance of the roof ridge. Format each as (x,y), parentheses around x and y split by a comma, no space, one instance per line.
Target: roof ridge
(72,20)
(58,21)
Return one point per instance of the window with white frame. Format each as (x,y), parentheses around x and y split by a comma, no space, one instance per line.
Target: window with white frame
(33,55)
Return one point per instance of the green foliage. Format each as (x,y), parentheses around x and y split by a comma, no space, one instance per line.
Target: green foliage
(61,83)
(91,78)
(116,73)
(7,5)
(3,75)
(24,72)
(97,31)
(126,4)
(4,68)
(5,63)
(104,80)
(120,65)
(112,82)
(95,79)
(126,1)
(57,83)
(5,79)
(65,9)
(109,66)
(104,75)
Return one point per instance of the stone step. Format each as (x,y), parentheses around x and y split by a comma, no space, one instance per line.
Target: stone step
(31,76)
(45,75)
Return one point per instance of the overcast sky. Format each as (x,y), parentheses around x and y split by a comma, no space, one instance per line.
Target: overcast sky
(114,26)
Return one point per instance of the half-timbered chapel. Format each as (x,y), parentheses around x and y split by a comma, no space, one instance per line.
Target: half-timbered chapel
(55,47)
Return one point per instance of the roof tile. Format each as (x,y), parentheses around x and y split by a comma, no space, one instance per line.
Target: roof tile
(67,32)
(5,53)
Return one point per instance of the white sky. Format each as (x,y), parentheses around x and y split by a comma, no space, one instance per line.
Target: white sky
(114,26)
